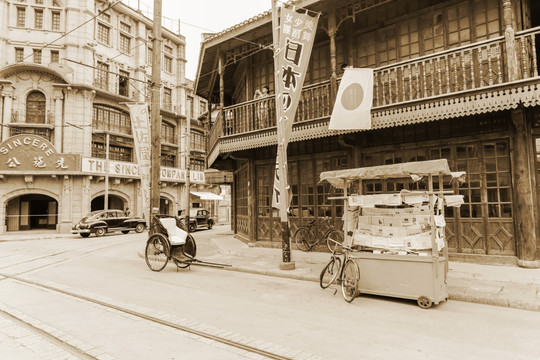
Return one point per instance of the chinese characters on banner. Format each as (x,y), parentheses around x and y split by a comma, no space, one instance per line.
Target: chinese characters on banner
(296,36)
(140,125)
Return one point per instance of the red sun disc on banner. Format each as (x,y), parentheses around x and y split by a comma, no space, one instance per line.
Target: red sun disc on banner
(352,96)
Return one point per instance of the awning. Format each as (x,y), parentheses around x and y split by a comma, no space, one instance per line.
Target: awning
(207,195)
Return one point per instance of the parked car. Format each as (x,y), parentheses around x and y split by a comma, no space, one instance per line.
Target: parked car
(101,222)
(200,218)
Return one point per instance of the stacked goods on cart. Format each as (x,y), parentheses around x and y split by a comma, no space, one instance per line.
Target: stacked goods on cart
(401,222)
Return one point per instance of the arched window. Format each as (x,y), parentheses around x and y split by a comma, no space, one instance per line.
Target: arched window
(35,107)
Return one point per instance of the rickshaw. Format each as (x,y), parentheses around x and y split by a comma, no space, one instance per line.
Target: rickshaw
(169,240)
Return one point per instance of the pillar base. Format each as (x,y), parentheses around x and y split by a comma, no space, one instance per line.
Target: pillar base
(529,264)
(286,265)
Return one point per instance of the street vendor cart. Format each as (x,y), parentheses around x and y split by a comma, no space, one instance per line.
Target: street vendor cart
(400,236)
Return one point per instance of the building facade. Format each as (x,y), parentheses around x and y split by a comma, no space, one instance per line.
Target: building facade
(454,79)
(67,70)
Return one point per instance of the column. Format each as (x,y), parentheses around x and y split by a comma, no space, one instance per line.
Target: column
(8,103)
(332,29)
(511,57)
(58,119)
(524,202)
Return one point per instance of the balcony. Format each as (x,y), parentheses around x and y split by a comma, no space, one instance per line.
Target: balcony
(447,84)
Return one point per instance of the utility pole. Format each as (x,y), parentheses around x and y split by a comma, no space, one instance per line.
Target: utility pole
(155,126)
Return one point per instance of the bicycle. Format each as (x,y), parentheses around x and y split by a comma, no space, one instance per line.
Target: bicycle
(305,239)
(345,272)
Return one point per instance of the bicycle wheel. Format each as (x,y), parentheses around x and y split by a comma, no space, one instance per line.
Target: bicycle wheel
(350,280)
(330,272)
(156,253)
(304,239)
(334,241)
(184,256)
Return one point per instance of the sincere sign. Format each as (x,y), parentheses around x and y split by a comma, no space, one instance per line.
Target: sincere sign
(28,152)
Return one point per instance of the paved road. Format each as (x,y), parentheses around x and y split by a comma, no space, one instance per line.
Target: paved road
(291,316)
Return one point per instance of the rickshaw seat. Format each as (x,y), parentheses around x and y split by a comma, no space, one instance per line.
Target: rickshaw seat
(177,236)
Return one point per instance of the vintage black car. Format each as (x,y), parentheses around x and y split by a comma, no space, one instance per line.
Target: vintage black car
(200,218)
(100,222)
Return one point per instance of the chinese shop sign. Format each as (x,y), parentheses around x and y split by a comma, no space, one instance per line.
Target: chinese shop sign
(296,35)
(140,125)
(28,152)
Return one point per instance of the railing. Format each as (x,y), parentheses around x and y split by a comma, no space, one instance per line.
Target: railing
(452,71)
(20,117)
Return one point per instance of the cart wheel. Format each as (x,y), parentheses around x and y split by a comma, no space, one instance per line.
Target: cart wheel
(350,280)
(330,272)
(157,252)
(424,302)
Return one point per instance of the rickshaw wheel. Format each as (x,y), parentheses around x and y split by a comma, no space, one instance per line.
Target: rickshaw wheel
(185,256)
(157,252)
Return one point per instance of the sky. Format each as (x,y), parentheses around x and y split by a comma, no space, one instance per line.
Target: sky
(201,16)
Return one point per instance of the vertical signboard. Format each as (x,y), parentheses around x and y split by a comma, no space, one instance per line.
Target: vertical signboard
(140,125)
(291,58)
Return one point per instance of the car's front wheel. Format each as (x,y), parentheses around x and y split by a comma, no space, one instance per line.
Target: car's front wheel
(85,235)
(139,228)
(125,231)
(192,227)
(100,232)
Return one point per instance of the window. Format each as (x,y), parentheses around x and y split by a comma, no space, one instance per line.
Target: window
(167,133)
(167,60)
(55,21)
(21,17)
(197,141)
(167,99)
(37,56)
(103,33)
(38,19)
(55,56)
(106,118)
(116,123)
(39,2)
(102,76)
(19,54)
(150,55)
(123,83)
(105,17)
(125,45)
(202,107)
(196,165)
(167,64)
(125,27)
(35,108)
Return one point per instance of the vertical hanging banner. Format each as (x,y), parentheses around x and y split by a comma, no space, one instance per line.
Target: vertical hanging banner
(291,58)
(140,126)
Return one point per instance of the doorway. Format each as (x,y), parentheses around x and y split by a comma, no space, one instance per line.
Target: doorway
(32,211)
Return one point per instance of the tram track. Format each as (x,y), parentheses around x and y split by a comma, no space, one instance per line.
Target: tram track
(159,319)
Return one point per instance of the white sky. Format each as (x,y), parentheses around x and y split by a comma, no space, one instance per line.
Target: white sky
(202,16)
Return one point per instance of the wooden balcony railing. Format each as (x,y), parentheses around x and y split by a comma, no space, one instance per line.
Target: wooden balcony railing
(457,70)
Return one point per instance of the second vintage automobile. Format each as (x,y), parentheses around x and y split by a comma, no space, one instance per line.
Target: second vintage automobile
(100,222)
(200,218)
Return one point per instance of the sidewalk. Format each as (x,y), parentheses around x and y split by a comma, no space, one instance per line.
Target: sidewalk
(507,286)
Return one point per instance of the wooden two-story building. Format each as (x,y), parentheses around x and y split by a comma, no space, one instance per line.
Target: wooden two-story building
(454,79)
